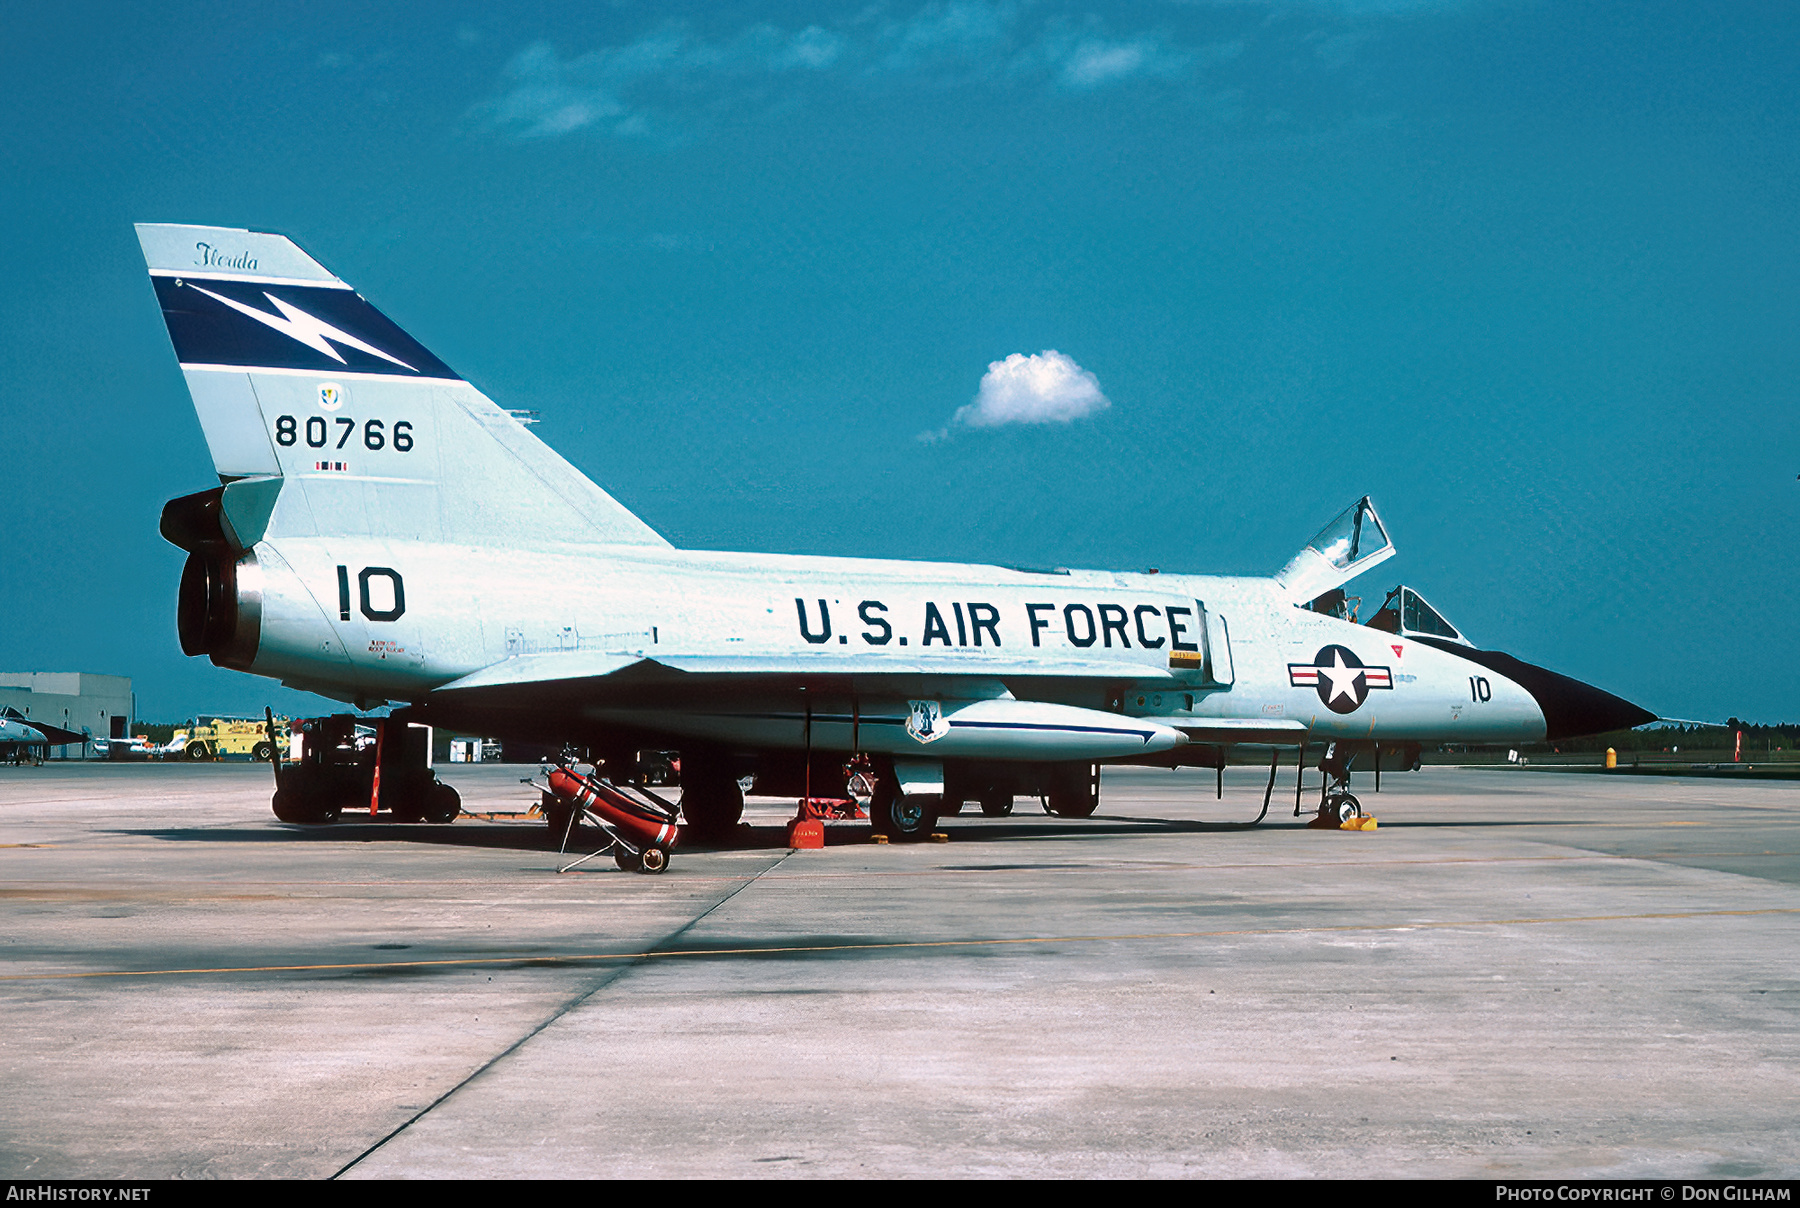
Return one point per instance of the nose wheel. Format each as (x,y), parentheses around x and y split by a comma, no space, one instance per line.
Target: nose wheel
(1342,805)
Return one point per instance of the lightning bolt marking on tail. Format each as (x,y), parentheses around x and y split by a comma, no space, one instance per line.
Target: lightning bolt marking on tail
(296,324)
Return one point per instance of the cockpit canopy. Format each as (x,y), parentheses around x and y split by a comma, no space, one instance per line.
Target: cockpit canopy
(1406,614)
(1352,543)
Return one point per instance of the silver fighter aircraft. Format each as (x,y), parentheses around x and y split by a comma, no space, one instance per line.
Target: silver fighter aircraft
(22,739)
(385,533)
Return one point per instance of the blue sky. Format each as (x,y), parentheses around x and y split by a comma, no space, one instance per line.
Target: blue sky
(1525,272)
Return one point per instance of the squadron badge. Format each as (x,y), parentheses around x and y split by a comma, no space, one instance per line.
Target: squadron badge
(925,720)
(1343,683)
(331,396)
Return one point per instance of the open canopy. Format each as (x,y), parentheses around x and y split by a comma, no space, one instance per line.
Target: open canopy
(1353,542)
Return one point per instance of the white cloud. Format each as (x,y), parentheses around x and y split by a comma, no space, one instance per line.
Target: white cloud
(1096,63)
(970,31)
(1046,388)
(671,75)
(613,88)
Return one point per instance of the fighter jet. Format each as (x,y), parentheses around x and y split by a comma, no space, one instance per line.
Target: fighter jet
(21,738)
(385,534)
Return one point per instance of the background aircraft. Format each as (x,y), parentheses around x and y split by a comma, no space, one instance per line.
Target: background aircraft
(385,533)
(19,736)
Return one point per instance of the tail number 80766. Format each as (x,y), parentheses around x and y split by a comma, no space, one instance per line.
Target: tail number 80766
(318,434)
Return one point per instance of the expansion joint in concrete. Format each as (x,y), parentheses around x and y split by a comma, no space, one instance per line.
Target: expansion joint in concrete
(606,979)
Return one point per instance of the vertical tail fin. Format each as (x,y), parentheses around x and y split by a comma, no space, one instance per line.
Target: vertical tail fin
(296,377)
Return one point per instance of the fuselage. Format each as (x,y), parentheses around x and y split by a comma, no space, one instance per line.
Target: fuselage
(396,620)
(13,731)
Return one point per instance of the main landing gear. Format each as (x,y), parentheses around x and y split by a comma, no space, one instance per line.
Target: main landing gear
(712,801)
(902,816)
(1073,791)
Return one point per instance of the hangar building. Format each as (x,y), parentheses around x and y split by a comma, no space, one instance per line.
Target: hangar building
(101,705)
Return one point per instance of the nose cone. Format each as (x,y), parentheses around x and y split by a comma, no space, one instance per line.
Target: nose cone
(1570,707)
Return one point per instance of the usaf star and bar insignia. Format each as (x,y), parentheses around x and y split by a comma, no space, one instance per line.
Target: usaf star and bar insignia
(1342,681)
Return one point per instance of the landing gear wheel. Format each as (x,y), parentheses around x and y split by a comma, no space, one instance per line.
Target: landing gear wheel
(712,803)
(1071,805)
(626,860)
(653,860)
(898,816)
(263,752)
(996,805)
(1343,806)
(1074,792)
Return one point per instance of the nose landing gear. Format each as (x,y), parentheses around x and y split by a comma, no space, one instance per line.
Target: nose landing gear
(1338,807)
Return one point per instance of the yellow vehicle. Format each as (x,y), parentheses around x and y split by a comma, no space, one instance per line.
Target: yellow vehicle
(226,738)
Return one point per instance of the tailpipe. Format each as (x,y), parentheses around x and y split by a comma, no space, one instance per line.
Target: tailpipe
(218,608)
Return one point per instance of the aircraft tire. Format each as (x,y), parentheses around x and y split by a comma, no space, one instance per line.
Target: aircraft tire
(902,818)
(1072,793)
(263,753)
(653,861)
(712,805)
(996,805)
(1345,806)
(625,860)
(1072,805)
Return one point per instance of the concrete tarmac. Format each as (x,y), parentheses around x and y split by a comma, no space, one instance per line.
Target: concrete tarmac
(1520,974)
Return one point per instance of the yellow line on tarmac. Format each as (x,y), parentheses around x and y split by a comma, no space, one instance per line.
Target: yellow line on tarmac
(900,945)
